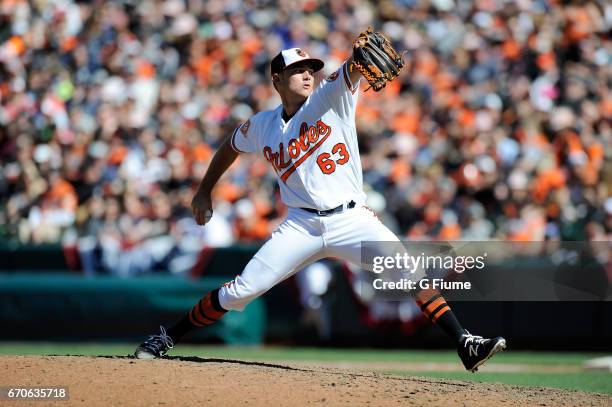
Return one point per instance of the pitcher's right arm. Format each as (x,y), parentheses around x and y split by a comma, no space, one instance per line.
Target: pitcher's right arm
(201,205)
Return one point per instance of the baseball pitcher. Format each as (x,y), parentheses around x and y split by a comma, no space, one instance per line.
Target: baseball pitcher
(310,140)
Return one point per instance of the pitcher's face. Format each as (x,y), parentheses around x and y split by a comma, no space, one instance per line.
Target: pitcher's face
(296,82)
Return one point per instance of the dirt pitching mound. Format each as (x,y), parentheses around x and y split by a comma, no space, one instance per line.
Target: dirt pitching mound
(193,381)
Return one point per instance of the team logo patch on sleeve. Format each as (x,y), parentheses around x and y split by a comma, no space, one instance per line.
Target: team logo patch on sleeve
(245,128)
(332,77)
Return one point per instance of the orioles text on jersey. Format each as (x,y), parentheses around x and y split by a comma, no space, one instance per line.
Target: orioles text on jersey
(298,149)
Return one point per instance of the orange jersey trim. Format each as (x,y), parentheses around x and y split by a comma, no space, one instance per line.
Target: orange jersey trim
(233,144)
(347,80)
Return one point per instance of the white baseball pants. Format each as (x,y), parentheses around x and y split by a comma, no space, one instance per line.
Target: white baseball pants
(301,239)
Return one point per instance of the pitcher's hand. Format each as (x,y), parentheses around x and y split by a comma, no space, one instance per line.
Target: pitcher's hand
(201,206)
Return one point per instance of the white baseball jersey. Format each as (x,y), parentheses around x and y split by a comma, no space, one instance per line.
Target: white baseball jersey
(316,160)
(315,154)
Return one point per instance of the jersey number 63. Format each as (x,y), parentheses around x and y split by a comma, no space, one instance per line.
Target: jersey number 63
(326,160)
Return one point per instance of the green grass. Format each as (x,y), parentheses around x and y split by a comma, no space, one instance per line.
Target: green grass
(297,354)
(599,382)
(586,381)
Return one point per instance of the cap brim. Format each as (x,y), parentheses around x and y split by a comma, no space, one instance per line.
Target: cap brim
(315,63)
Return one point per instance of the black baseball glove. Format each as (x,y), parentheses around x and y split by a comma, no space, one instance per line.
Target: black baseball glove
(376,59)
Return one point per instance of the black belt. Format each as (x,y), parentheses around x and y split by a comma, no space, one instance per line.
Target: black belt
(328,212)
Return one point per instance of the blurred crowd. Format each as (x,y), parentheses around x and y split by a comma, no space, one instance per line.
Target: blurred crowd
(500,126)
